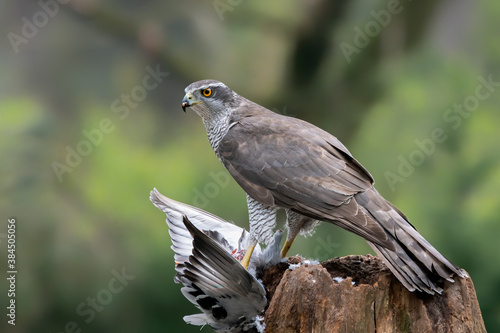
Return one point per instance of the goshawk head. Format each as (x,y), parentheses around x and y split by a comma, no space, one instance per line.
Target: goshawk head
(210,99)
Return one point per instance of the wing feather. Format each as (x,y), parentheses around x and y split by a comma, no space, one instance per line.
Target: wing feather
(290,163)
(181,239)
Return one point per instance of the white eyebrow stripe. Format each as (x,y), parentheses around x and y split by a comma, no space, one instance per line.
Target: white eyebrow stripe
(212,85)
(204,84)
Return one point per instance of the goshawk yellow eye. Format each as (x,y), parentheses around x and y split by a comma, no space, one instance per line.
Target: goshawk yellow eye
(207,92)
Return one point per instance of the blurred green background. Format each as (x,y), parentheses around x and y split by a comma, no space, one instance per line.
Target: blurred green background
(401,84)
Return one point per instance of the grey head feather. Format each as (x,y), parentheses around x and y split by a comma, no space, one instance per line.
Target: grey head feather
(214,109)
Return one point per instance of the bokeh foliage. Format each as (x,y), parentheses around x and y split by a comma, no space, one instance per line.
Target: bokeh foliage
(285,55)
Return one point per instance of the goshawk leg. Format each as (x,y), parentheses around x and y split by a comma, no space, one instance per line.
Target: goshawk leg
(262,220)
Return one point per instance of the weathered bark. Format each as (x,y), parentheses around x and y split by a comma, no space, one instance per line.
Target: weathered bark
(368,299)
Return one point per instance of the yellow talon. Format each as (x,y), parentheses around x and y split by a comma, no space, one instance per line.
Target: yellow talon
(246,259)
(287,246)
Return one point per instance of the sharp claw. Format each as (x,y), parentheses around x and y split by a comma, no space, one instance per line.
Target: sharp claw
(245,262)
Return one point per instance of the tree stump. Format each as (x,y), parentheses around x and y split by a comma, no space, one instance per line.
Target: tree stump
(359,294)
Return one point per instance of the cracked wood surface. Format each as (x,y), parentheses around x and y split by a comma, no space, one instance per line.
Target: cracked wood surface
(368,299)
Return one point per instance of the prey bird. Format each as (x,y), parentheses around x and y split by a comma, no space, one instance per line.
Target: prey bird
(284,162)
(231,299)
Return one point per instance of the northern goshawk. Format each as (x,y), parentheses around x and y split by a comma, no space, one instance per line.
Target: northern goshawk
(285,162)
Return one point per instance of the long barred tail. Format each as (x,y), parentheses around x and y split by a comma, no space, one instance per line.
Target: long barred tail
(415,262)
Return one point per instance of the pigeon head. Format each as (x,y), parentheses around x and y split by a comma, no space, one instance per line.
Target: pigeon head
(210,99)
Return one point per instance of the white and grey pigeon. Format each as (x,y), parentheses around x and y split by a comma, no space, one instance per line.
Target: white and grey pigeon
(230,297)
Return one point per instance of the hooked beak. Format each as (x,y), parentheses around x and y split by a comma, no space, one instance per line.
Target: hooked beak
(188,101)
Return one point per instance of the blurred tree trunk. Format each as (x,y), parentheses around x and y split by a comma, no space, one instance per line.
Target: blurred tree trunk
(368,299)
(356,88)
